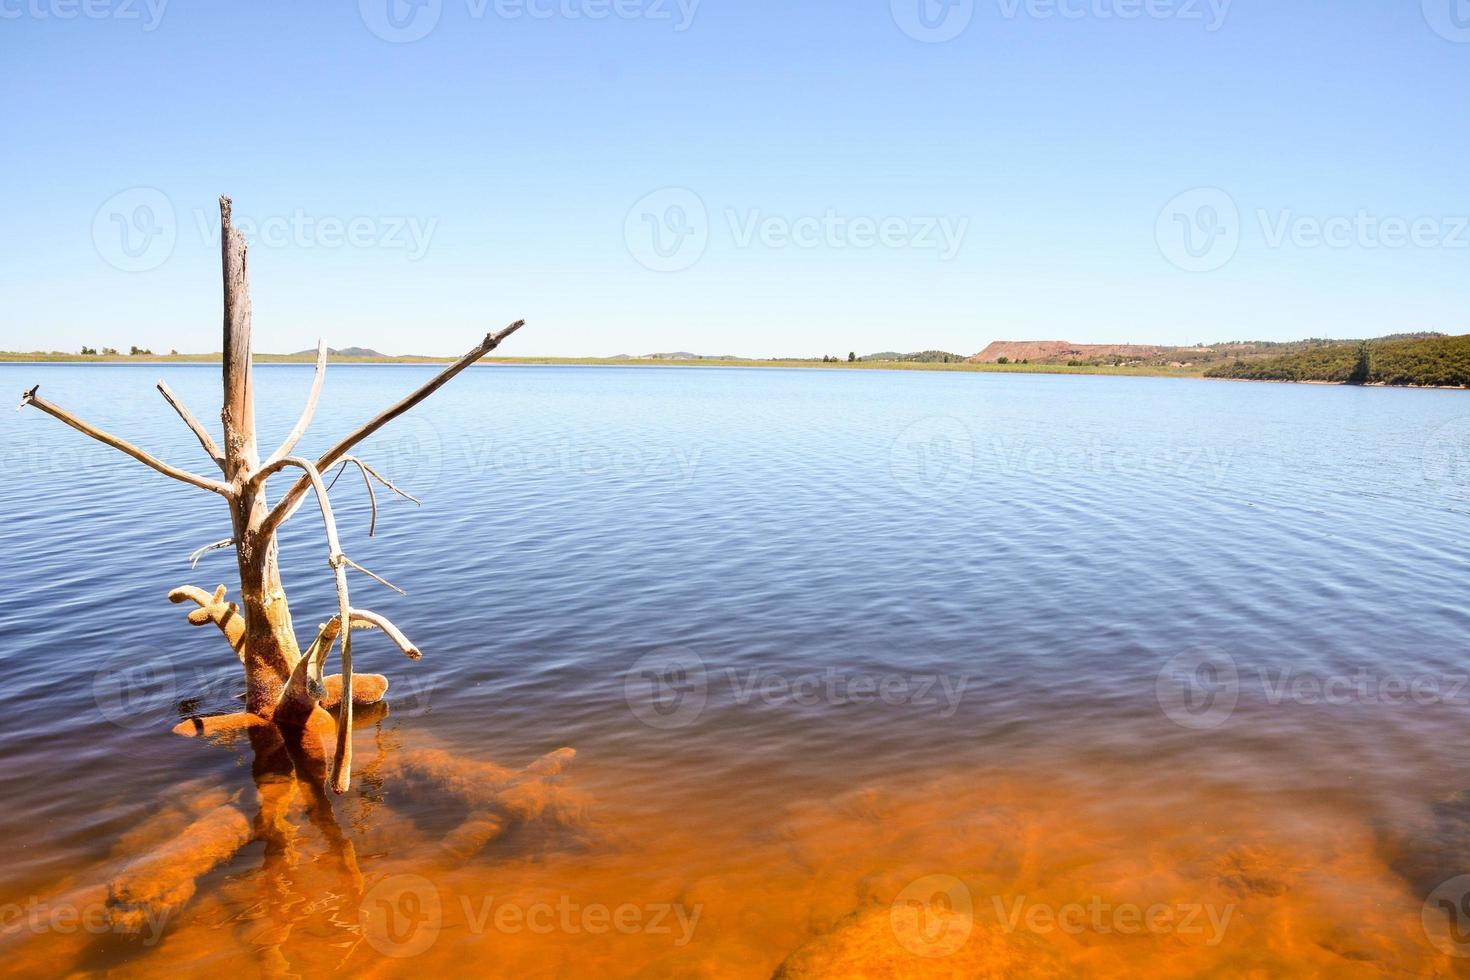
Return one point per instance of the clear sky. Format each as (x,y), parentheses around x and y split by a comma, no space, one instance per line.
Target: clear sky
(735,176)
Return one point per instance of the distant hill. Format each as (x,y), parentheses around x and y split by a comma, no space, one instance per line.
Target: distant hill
(1065,352)
(684,355)
(1434,360)
(342,352)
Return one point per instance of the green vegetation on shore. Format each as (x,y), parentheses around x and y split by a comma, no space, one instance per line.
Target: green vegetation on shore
(1428,362)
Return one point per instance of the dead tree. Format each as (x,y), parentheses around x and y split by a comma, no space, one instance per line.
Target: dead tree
(284,686)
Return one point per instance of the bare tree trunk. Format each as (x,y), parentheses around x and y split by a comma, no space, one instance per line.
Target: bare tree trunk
(271,649)
(281,686)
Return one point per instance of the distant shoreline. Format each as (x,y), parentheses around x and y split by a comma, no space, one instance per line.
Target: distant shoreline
(11,357)
(1134,371)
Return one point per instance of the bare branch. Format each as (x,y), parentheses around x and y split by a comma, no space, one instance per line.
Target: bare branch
(200,433)
(307,683)
(374,576)
(365,470)
(199,553)
(365,619)
(361,619)
(331,456)
(367,482)
(310,409)
(123,446)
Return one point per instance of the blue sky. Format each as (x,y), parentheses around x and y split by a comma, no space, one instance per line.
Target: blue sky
(745,177)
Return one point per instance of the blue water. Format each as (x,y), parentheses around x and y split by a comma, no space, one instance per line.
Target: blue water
(1047,542)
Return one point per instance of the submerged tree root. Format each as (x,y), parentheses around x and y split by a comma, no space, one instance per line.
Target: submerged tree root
(159,884)
(497,799)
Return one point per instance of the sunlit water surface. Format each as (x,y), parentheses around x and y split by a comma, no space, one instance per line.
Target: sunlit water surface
(860,667)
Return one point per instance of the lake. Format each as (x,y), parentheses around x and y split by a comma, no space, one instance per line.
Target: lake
(1135,675)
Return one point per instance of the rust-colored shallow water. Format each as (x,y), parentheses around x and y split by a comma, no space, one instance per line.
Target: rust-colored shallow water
(866,674)
(1072,871)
